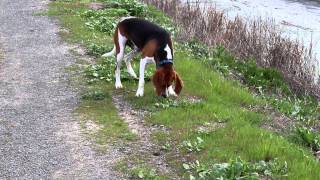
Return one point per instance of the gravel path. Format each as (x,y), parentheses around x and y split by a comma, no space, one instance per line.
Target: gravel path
(39,136)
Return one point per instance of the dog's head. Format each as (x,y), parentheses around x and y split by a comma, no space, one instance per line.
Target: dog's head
(163,78)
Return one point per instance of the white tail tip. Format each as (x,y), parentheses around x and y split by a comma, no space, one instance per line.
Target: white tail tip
(109,53)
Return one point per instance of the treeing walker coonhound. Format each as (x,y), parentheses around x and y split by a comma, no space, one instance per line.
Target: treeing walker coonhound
(156,47)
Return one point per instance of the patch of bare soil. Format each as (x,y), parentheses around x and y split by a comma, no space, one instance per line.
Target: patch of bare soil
(194,99)
(97,6)
(143,147)
(211,126)
(277,122)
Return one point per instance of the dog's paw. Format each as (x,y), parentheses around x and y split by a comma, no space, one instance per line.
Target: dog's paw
(139,92)
(118,85)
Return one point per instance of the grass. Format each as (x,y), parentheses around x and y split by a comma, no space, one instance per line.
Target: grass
(226,101)
(223,101)
(96,97)
(139,170)
(260,39)
(96,106)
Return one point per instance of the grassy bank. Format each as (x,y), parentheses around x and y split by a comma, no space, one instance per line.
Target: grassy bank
(219,116)
(258,39)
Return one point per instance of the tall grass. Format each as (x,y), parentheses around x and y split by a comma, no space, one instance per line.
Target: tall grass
(257,39)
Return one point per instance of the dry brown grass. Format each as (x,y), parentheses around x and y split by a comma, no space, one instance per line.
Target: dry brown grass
(258,39)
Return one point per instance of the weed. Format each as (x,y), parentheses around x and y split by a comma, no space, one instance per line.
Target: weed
(102,24)
(236,169)
(105,20)
(104,71)
(110,12)
(95,95)
(144,173)
(96,50)
(133,7)
(193,146)
(135,167)
(308,137)
(167,103)
(166,147)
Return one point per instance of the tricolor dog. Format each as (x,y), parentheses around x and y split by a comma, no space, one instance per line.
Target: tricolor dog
(155,45)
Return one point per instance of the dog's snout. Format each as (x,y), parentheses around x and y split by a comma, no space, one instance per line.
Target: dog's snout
(164,95)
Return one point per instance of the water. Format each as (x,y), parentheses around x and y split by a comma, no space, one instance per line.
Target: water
(298,19)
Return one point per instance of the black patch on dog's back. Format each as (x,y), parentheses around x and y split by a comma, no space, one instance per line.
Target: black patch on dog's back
(140,31)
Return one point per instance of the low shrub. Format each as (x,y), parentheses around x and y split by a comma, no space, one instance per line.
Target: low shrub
(236,169)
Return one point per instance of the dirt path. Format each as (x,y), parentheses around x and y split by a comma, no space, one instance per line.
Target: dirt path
(39,136)
(143,147)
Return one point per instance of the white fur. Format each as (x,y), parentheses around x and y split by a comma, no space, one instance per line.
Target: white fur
(112,52)
(168,50)
(143,64)
(171,92)
(122,42)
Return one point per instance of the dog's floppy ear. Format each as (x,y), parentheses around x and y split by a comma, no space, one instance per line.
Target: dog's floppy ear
(178,83)
(157,80)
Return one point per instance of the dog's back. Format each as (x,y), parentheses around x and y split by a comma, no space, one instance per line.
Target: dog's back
(140,31)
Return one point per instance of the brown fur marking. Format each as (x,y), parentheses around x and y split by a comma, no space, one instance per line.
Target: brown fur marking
(164,77)
(178,83)
(116,41)
(149,49)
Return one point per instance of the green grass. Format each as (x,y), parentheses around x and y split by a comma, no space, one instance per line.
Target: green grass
(96,104)
(223,100)
(140,170)
(226,101)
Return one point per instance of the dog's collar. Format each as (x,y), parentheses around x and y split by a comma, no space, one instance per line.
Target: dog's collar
(163,62)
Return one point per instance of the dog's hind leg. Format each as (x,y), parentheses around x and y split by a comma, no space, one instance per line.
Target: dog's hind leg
(120,53)
(128,59)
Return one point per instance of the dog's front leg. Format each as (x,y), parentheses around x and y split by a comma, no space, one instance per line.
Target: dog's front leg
(143,64)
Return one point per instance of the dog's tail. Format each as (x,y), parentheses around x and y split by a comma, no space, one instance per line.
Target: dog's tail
(110,53)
